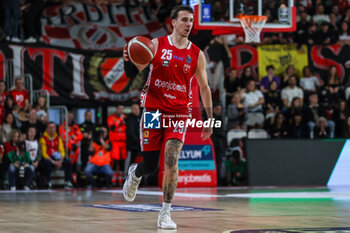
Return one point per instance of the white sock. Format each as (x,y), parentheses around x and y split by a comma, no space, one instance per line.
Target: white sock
(166,206)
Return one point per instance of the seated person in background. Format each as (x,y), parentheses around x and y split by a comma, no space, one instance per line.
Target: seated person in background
(333,86)
(297,129)
(309,83)
(313,112)
(20,163)
(254,100)
(346,131)
(295,107)
(7,127)
(246,76)
(237,113)
(232,84)
(235,169)
(53,155)
(3,166)
(340,114)
(20,95)
(41,109)
(87,129)
(273,101)
(33,122)
(321,130)
(265,81)
(284,81)
(100,157)
(33,147)
(344,33)
(278,128)
(290,92)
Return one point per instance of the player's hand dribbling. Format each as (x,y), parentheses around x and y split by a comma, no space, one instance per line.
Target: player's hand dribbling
(125,53)
(206,133)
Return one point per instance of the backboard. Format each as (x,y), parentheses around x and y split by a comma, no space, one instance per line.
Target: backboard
(222,15)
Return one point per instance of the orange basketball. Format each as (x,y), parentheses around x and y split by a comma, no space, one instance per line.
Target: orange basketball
(141,50)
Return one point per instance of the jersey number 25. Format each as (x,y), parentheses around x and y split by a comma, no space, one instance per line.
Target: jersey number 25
(167,54)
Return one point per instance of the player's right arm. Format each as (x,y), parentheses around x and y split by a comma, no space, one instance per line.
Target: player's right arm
(132,69)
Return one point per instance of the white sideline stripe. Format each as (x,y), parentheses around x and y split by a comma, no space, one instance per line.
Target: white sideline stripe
(292,195)
(338,195)
(29,191)
(157,193)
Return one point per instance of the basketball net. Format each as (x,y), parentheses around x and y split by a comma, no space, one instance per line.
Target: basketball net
(252,26)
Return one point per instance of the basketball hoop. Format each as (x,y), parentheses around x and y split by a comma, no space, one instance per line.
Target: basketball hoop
(252,26)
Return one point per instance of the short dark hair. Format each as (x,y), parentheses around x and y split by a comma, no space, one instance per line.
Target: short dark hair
(270,67)
(175,11)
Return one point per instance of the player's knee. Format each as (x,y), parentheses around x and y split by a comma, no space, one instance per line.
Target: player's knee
(171,159)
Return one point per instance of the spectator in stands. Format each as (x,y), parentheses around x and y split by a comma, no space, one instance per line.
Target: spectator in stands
(218,138)
(237,113)
(273,101)
(117,135)
(333,24)
(42,109)
(12,11)
(295,107)
(321,130)
(326,35)
(265,81)
(303,24)
(320,16)
(333,86)
(33,122)
(87,129)
(290,71)
(3,166)
(254,100)
(346,131)
(218,50)
(7,127)
(160,10)
(3,93)
(290,92)
(100,159)
(309,37)
(33,147)
(9,104)
(232,84)
(344,33)
(74,138)
(336,12)
(346,15)
(235,169)
(278,127)
(340,114)
(20,95)
(21,165)
(32,17)
(53,155)
(313,112)
(133,133)
(297,127)
(246,76)
(309,83)
(11,145)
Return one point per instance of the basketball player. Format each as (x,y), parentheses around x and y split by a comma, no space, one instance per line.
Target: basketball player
(168,90)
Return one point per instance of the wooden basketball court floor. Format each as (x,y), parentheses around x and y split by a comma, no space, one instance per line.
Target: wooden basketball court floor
(238,208)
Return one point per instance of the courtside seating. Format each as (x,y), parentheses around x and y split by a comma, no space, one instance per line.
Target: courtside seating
(235,134)
(258,134)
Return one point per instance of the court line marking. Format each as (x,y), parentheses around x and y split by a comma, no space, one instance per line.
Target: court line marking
(27,191)
(338,195)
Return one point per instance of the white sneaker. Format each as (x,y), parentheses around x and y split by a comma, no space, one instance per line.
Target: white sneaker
(165,221)
(131,184)
(16,40)
(49,185)
(8,38)
(68,185)
(13,188)
(26,188)
(30,40)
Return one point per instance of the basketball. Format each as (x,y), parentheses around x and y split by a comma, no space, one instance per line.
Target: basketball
(141,50)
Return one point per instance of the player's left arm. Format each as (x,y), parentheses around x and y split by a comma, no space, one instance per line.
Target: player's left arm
(202,79)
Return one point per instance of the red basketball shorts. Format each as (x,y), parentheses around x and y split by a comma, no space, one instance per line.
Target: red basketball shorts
(158,127)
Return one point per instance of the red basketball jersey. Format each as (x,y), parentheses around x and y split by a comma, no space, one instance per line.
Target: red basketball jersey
(168,87)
